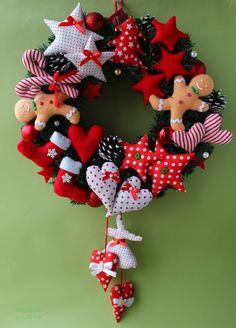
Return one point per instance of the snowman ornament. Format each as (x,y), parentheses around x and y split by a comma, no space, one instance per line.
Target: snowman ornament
(118,245)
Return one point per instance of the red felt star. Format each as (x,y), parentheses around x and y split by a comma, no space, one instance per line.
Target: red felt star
(171,64)
(139,156)
(167,33)
(150,85)
(92,91)
(46,173)
(168,172)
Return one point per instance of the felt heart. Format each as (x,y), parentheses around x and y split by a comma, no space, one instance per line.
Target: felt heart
(121,298)
(130,197)
(213,133)
(104,182)
(85,143)
(189,140)
(103,266)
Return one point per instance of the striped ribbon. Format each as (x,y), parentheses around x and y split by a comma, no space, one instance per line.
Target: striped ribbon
(35,62)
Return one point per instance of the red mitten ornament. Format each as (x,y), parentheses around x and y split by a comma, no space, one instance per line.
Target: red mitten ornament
(103,266)
(85,143)
(65,185)
(127,44)
(45,155)
(121,297)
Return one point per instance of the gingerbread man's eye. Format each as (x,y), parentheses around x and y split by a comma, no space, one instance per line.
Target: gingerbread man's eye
(41,103)
(50,101)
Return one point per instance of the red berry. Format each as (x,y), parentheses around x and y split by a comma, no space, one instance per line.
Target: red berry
(29,133)
(95,21)
(94,200)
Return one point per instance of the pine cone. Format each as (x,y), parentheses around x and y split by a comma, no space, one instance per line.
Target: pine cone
(110,149)
(58,63)
(145,23)
(216,101)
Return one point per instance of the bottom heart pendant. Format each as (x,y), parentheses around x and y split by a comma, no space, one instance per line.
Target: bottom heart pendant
(122,297)
(103,266)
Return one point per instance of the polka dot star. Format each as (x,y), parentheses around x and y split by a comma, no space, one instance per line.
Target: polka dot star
(89,62)
(69,39)
(139,156)
(168,172)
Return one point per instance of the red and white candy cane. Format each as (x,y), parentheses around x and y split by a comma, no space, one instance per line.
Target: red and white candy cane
(35,62)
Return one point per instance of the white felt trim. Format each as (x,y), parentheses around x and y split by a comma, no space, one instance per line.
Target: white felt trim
(176,120)
(59,140)
(160,106)
(71,113)
(70,165)
(40,123)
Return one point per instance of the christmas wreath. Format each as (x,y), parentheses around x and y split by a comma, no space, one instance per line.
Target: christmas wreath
(85,53)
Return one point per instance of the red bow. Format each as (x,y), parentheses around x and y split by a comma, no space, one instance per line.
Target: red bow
(91,56)
(58,78)
(70,21)
(116,241)
(114,175)
(133,190)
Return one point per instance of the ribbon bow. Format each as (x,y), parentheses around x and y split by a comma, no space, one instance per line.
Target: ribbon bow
(123,301)
(70,21)
(35,62)
(102,267)
(89,55)
(133,190)
(116,241)
(113,175)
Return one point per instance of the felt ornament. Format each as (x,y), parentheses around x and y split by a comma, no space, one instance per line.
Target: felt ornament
(197,68)
(65,184)
(94,200)
(42,107)
(29,87)
(95,22)
(122,297)
(167,33)
(29,133)
(168,172)
(71,35)
(104,182)
(85,143)
(149,85)
(45,155)
(92,91)
(171,64)
(103,266)
(213,132)
(119,16)
(184,98)
(138,156)
(89,61)
(127,44)
(189,140)
(130,197)
(118,244)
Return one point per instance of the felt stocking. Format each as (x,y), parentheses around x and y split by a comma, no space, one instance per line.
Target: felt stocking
(45,155)
(65,185)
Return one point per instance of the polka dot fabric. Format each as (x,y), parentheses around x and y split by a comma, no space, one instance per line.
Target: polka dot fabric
(125,201)
(121,298)
(68,39)
(127,260)
(90,67)
(101,259)
(104,189)
(168,172)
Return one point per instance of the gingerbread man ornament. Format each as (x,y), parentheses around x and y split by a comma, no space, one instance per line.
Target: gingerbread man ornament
(42,107)
(184,98)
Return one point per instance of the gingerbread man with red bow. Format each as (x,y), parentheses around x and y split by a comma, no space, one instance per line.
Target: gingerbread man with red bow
(184,98)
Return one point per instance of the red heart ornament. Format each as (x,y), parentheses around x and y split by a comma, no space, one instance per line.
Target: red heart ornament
(121,298)
(85,143)
(103,266)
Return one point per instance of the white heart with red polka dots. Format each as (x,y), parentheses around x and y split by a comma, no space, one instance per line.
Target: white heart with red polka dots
(125,202)
(104,189)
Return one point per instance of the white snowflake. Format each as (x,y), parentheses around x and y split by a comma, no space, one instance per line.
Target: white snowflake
(121,44)
(52,152)
(66,178)
(122,37)
(125,48)
(126,56)
(129,26)
(119,53)
(126,33)
(131,44)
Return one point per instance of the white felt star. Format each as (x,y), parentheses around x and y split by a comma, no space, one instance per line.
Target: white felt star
(69,39)
(89,61)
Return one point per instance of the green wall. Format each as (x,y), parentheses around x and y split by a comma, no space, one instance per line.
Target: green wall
(187,263)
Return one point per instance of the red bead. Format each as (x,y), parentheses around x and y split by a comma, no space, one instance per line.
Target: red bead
(198,68)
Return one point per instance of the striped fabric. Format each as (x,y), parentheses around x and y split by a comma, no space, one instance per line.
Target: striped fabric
(189,140)
(34,61)
(213,132)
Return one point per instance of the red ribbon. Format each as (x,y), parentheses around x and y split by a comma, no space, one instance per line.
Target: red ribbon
(114,175)
(70,21)
(58,78)
(133,190)
(91,56)
(116,241)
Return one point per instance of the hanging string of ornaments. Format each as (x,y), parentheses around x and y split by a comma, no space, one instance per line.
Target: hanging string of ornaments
(86,52)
